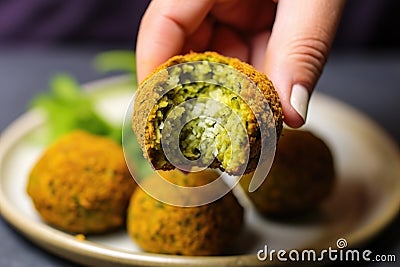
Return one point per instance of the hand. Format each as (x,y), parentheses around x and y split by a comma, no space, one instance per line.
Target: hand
(289,40)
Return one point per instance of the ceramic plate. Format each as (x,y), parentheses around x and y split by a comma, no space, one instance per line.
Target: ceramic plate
(366,197)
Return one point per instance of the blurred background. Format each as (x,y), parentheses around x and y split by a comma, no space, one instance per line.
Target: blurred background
(39,38)
(366,24)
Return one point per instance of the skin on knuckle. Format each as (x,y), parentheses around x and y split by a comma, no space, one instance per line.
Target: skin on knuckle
(309,53)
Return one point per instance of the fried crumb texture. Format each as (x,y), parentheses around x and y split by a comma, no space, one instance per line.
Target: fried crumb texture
(301,178)
(81,184)
(258,108)
(209,229)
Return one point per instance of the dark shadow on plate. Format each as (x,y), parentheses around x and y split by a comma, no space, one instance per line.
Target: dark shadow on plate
(246,241)
(349,201)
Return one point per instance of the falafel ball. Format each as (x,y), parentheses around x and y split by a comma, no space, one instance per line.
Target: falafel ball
(202,230)
(81,184)
(248,106)
(302,176)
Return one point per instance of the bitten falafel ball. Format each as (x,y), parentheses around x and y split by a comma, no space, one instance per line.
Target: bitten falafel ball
(302,176)
(209,229)
(81,184)
(248,107)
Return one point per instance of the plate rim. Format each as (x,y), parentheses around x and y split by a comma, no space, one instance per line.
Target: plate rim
(94,254)
(88,252)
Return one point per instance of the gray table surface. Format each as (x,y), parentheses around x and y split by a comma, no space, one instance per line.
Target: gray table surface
(368,81)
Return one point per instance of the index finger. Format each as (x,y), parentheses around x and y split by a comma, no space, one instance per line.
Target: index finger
(163,30)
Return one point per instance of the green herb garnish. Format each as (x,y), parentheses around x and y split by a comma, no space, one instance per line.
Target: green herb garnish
(116,60)
(68,108)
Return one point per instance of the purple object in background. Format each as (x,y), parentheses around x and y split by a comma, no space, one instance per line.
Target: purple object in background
(365,23)
(369,24)
(60,21)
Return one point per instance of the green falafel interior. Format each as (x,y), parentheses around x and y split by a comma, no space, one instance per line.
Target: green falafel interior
(202,111)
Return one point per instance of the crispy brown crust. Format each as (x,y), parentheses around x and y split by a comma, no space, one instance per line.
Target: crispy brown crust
(148,93)
(301,177)
(203,230)
(81,184)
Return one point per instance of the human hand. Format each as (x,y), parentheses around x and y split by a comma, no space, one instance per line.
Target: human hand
(288,40)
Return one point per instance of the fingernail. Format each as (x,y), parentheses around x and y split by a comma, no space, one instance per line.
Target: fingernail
(299,100)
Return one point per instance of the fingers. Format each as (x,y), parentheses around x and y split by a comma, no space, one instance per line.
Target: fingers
(164,29)
(297,51)
(258,47)
(248,16)
(229,43)
(201,38)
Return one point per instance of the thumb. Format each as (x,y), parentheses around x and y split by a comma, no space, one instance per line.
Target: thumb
(297,51)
